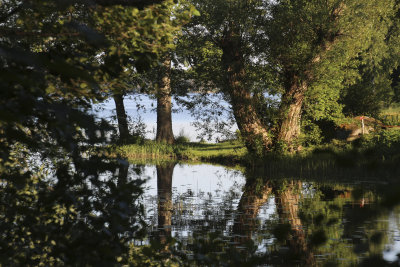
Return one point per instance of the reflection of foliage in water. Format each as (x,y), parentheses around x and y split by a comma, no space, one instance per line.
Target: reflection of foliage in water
(85,220)
(314,223)
(73,219)
(328,215)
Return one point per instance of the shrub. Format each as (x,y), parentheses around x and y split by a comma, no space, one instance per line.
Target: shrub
(384,145)
(182,138)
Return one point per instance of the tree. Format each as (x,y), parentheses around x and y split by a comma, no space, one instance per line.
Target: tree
(369,95)
(320,53)
(124,56)
(310,51)
(394,44)
(53,158)
(164,105)
(376,86)
(224,35)
(180,14)
(121,117)
(130,56)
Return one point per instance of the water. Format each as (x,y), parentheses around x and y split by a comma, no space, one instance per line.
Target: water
(200,215)
(143,107)
(217,218)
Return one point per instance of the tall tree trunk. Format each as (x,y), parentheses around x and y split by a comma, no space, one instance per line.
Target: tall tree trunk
(251,128)
(164,117)
(121,117)
(164,191)
(289,125)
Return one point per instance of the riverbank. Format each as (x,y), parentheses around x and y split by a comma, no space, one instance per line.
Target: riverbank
(373,152)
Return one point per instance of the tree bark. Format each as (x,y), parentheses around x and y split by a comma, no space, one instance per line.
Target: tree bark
(253,131)
(164,117)
(121,117)
(289,124)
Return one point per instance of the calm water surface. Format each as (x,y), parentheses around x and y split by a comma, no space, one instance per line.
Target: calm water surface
(178,214)
(213,216)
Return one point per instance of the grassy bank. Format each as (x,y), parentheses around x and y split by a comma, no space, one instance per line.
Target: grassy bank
(369,152)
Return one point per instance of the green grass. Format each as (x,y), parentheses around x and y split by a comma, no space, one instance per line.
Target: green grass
(149,150)
(392,110)
(391,115)
(230,152)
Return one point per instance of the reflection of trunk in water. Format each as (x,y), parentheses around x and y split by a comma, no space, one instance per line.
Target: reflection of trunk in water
(250,203)
(164,190)
(287,204)
(123,173)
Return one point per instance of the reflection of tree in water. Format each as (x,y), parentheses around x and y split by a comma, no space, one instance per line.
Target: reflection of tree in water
(312,224)
(165,207)
(343,226)
(73,220)
(255,195)
(310,228)
(186,214)
(287,202)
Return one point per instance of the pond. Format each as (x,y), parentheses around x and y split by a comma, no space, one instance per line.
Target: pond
(184,214)
(214,217)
